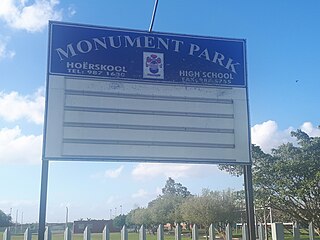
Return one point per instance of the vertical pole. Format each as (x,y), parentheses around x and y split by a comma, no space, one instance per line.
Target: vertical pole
(124,233)
(212,232)
(87,233)
(160,233)
(311,231)
(277,231)
(67,214)
(228,232)
(106,233)
(177,232)
(153,15)
(245,234)
(296,231)
(195,232)
(47,233)
(67,234)
(6,234)
(249,201)
(265,224)
(43,199)
(142,233)
(261,232)
(16,226)
(27,235)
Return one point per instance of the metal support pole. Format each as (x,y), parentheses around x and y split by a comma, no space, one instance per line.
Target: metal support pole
(43,200)
(249,201)
(153,15)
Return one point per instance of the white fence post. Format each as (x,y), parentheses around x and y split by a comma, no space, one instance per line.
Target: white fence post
(27,234)
(105,233)
(87,234)
(296,231)
(142,233)
(245,235)
(47,233)
(67,234)
(194,232)
(177,232)
(124,233)
(6,234)
(228,232)
(311,231)
(261,232)
(160,234)
(277,231)
(212,232)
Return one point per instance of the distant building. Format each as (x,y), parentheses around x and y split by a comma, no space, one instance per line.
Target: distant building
(95,226)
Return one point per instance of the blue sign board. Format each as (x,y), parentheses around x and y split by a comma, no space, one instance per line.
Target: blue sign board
(130,55)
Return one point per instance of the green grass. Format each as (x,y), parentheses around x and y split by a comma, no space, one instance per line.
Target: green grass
(95,236)
(135,236)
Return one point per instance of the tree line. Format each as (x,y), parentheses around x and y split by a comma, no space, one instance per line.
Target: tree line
(287,180)
(177,205)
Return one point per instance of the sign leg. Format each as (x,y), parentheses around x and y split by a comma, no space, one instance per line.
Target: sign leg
(249,201)
(43,200)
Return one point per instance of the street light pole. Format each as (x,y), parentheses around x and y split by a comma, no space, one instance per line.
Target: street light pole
(67,215)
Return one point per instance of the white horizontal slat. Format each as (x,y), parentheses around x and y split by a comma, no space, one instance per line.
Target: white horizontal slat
(148,104)
(121,87)
(147,135)
(139,119)
(91,150)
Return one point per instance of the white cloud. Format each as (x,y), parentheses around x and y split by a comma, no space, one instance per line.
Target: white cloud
(4,52)
(268,136)
(312,131)
(140,194)
(14,106)
(152,170)
(33,17)
(16,148)
(113,173)
(71,10)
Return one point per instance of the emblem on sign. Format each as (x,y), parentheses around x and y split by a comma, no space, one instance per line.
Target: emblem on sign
(153,65)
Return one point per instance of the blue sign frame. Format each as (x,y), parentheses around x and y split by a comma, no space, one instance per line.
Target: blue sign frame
(132,55)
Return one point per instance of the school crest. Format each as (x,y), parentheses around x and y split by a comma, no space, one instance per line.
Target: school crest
(153,65)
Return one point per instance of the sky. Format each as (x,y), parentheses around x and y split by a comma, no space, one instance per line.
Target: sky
(283,90)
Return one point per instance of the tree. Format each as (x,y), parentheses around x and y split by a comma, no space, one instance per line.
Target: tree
(119,221)
(172,188)
(165,209)
(212,207)
(291,181)
(5,220)
(138,217)
(288,179)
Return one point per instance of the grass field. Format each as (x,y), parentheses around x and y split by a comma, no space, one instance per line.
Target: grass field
(135,236)
(95,236)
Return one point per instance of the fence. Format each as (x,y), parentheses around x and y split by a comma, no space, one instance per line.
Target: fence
(277,231)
